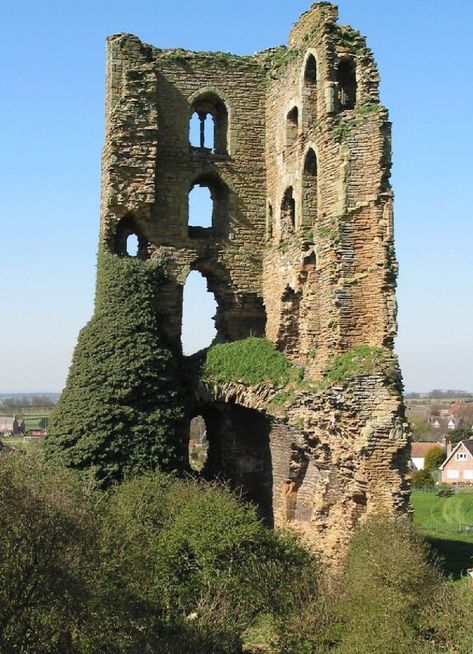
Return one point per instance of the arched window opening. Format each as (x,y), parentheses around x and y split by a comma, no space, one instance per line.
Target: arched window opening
(209,124)
(346,78)
(200,207)
(309,189)
(198,443)
(292,125)
(128,240)
(239,453)
(209,203)
(198,313)
(288,212)
(310,72)
(310,163)
(202,130)
(132,245)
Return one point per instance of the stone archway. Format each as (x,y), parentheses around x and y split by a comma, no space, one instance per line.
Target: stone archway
(239,453)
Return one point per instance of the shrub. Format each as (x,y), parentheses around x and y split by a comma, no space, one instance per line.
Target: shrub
(387,583)
(119,411)
(422,479)
(189,553)
(434,458)
(251,361)
(48,544)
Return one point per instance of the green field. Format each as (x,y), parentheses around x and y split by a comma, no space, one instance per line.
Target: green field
(443,522)
(33,417)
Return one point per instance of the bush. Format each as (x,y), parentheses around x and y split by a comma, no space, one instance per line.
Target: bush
(422,479)
(251,361)
(190,553)
(387,582)
(434,458)
(49,555)
(120,410)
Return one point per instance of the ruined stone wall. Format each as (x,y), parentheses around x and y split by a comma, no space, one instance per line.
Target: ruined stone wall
(300,251)
(337,263)
(150,168)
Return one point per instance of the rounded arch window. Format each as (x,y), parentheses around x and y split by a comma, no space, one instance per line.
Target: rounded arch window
(310,71)
(288,211)
(209,123)
(292,125)
(309,189)
(199,306)
(128,239)
(310,163)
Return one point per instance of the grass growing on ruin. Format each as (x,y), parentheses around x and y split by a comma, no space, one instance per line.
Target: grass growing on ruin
(361,360)
(251,361)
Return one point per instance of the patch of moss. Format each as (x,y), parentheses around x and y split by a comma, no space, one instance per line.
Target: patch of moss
(344,125)
(362,360)
(251,361)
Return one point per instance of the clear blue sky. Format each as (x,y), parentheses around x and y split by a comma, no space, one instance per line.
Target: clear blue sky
(51,127)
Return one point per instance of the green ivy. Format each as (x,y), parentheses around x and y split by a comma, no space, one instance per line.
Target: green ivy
(119,411)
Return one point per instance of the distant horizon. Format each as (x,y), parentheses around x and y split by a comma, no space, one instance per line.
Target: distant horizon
(405,392)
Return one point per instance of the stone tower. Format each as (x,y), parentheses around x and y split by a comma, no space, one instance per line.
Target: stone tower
(300,251)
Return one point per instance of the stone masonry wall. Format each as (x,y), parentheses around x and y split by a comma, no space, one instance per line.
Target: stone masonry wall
(300,251)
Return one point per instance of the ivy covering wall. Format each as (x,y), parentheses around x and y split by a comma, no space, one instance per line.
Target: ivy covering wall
(119,412)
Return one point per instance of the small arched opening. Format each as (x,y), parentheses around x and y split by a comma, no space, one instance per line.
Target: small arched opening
(208,208)
(128,240)
(198,314)
(309,189)
(292,125)
(288,212)
(310,71)
(346,78)
(209,124)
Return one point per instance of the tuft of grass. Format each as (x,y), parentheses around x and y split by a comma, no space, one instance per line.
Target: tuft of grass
(362,360)
(251,361)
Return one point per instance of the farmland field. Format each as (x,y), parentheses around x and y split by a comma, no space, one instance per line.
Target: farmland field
(443,522)
(34,417)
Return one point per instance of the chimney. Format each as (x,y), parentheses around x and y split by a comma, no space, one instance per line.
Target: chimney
(449,447)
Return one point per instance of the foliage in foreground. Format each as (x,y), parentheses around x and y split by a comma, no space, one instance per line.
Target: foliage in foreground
(156,564)
(389,598)
(119,410)
(159,564)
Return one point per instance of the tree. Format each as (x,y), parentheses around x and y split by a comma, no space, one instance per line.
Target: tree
(120,410)
(422,478)
(461,433)
(434,458)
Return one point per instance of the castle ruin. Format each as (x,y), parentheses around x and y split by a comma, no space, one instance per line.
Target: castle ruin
(300,251)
